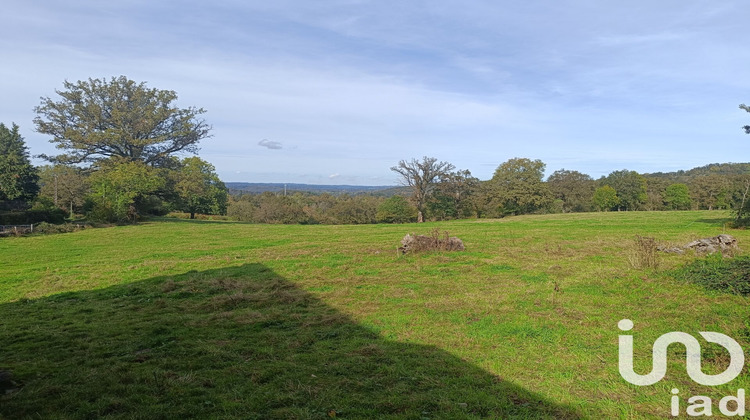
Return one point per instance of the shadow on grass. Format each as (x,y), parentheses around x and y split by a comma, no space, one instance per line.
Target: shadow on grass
(238,342)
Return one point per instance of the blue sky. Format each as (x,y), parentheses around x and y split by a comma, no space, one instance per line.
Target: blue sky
(338,91)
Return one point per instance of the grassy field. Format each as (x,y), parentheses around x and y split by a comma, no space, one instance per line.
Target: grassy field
(200,319)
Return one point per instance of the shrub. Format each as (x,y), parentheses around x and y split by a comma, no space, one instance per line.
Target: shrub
(436,241)
(715,272)
(396,209)
(46,228)
(644,253)
(241,210)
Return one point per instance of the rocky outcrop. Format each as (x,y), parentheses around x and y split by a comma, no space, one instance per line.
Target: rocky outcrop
(726,244)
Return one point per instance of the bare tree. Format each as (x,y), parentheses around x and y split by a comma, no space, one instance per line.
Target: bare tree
(422,176)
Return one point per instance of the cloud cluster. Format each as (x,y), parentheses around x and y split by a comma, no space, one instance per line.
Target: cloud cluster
(351,85)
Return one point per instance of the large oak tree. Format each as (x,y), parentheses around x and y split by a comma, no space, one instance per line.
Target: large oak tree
(517,187)
(97,120)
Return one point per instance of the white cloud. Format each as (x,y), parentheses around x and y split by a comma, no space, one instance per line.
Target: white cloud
(268,144)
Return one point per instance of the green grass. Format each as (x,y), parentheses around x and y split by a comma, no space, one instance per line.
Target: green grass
(731,275)
(202,319)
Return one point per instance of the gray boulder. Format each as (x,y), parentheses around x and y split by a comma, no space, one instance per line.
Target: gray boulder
(726,244)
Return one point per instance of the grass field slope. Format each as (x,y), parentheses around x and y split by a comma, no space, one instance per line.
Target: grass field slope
(222,320)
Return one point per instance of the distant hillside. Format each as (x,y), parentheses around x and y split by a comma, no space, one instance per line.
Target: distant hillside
(724,169)
(710,169)
(257,188)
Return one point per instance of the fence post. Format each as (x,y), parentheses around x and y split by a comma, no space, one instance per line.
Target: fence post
(32,227)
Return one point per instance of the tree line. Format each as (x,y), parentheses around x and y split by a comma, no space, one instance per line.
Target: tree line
(121,141)
(517,187)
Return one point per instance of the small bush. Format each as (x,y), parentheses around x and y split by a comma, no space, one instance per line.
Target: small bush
(48,229)
(396,210)
(436,241)
(715,272)
(644,253)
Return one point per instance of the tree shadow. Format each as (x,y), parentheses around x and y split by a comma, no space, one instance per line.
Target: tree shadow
(239,342)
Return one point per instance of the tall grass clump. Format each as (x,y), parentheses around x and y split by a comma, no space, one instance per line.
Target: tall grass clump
(644,253)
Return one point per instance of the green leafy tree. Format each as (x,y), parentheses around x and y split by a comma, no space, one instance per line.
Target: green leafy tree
(630,187)
(517,187)
(656,190)
(64,186)
(677,197)
(199,189)
(573,188)
(18,178)
(396,209)
(451,198)
(711,191)
(119,188)
(422,177)
(95,120)
(605,198)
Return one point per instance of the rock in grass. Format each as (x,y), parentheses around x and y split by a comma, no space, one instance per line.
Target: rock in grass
(726,244)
